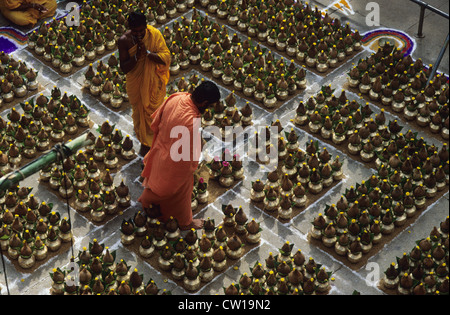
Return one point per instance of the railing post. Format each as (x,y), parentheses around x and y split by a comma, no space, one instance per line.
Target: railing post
(421,19)
(438,61)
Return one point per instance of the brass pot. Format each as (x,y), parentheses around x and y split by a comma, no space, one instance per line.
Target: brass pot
(8,97)
(105,97)
(33,85)
(56,62)
(116,102)
(95,90)
(79,60)
(20,91)
(322,67)
(66,67)
(91,55)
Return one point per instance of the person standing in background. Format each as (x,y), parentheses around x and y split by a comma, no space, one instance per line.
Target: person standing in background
(145,59)
(27,12)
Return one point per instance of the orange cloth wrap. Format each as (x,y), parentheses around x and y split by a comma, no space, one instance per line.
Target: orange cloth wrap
(168,182)
(29,16)
(146,84)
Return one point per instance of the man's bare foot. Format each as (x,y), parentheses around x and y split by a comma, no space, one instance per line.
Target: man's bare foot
(196,224)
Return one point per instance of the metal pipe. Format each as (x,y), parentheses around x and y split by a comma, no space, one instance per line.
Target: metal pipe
(425,6)
(58,152)
(431,8)
(439,59)
(421,19)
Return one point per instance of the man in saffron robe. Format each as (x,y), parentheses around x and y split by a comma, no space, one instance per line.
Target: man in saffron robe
(145,59)
(27,12)
(170,164)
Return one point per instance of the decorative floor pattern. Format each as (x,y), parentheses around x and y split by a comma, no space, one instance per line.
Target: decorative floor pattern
(403,41)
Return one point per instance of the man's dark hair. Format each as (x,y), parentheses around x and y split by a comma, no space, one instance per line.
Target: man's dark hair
(136,19)
(206,91)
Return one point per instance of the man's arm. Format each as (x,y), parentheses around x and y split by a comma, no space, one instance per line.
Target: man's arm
(29,5)
(23,7)
(160,49)
(155,58)
(127,62)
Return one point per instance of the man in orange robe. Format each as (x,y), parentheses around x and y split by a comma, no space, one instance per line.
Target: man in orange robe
(170,164)
(145,59)
(27,12)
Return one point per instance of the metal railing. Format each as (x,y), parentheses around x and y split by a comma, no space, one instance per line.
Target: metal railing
(423,7)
